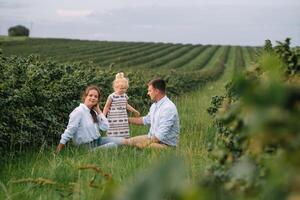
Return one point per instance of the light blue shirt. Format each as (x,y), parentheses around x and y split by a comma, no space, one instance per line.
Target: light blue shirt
(81,127)
(164,121)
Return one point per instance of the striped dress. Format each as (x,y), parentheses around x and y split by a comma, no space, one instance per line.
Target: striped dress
(117,116)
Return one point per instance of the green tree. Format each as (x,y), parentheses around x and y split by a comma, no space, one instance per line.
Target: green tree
(18,30)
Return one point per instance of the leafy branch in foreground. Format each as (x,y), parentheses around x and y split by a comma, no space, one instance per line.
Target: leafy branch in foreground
(256,154)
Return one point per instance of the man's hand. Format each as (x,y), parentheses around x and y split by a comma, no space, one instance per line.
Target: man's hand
(135,120)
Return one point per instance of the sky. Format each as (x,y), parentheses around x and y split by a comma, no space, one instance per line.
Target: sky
(232,22)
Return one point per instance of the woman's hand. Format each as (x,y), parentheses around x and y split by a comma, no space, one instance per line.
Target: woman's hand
(58,148)
(97,109)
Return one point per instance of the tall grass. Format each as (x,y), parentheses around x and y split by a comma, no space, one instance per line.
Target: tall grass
(44,175)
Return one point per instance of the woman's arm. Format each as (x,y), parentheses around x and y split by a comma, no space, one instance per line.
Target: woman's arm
(103,122)
(59,148)
(72,127)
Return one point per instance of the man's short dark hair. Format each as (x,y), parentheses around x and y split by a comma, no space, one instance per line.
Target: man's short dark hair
(159,84)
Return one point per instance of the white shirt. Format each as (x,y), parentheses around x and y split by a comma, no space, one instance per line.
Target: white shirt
(164,121)
(81,127)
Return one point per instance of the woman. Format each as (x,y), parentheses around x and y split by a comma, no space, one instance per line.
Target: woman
(85,122)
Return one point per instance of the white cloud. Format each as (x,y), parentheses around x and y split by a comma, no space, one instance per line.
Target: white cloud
(74,13)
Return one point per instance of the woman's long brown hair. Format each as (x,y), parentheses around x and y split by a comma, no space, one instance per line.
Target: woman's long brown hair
(84,95)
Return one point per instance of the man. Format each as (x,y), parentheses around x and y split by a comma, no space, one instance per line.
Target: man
(162,118)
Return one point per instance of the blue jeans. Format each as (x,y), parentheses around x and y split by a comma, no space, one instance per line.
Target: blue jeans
(106,142)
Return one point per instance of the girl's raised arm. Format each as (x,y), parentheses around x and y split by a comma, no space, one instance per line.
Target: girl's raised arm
(134,111)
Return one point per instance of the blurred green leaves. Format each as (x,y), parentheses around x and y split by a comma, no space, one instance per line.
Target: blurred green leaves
(165,180)
(258,129)
(272,66)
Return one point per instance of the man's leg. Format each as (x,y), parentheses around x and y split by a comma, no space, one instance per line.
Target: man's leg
(142,141)
(157,146)
(138,141)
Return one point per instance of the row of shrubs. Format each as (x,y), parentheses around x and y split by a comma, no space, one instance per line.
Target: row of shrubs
(257,149)
(37,96)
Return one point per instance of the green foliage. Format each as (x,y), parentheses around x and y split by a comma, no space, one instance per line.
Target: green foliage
(128,166)
(124,56)
(268,47)
(273,67)
(18,30)
(166,180)
(216,102)
(162,181)
(37,97)
(184,82)
(239,60)
(258,132)
(263,122)
(288,56)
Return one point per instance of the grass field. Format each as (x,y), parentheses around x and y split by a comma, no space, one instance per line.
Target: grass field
(43,175)
(122,55)
(121,163)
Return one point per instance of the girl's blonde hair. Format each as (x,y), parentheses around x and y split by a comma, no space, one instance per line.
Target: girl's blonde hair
(120,80)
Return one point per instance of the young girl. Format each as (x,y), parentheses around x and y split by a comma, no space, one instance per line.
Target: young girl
(116,108)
